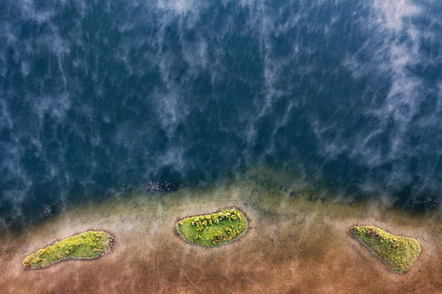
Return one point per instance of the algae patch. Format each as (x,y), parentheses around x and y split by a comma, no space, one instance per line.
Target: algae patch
(88,245)
(213,229)
(398,253)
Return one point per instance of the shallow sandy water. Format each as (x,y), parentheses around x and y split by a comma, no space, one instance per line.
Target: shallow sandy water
(297,242)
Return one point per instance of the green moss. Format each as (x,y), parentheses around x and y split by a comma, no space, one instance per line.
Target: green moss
(87,245)
(213,229)
(398,253)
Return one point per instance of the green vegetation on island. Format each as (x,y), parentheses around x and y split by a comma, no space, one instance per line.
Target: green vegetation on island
(213,229)
(398,253)
(88,245)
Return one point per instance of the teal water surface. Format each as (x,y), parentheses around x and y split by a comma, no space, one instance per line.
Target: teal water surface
(98,97)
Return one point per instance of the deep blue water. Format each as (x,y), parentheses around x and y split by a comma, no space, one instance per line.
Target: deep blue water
(98,97)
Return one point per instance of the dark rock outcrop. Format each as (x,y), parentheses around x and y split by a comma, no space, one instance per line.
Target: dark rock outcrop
(160,187)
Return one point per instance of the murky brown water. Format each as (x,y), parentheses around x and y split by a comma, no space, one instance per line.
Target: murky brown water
(293,246)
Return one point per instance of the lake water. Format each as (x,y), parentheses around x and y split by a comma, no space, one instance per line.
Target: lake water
(99,97)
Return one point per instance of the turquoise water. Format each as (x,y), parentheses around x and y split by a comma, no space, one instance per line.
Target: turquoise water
(99,97)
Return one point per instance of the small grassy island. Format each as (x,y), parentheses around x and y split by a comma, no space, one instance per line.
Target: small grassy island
(398,253)
(88,245)
(213,229)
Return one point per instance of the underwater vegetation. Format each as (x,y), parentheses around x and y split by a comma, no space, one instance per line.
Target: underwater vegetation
(213,229)
(398,253)
(88,245)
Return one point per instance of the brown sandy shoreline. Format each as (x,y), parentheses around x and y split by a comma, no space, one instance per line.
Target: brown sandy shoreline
(285,251)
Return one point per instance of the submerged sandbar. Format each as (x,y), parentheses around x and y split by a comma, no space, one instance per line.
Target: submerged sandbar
(282,251)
